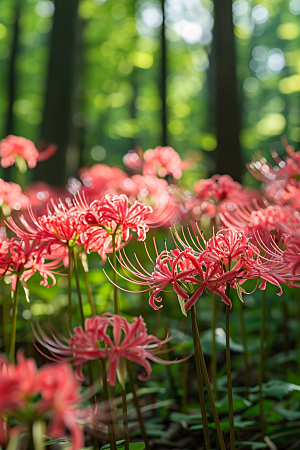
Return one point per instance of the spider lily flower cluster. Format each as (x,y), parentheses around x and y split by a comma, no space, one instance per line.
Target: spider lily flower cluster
(90,226)
(228,258)
(50,394)
(112,338)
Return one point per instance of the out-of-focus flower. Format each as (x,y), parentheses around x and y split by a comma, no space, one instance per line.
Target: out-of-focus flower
(281,182)
(19,149)
(217,188)
(11,195)
(161,161)
(100,180)
(51,394)
(112,338)
(258,219)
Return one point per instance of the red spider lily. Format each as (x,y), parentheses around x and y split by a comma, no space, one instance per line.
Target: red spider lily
(60,396)
(233,247)
(14,147)
(280,183)
(60,227)
(101,179)
(51,393)
(115,211)
(218,188)
(227,258)
(24,258)
(161,161)
(267,221)
(11,195)
(182,269)
(113,214)
(110,337)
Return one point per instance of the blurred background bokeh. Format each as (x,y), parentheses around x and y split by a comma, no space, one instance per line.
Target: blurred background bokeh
(213,79)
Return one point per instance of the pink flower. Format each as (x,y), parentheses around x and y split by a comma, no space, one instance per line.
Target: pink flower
(162,161)
(28,394)
(13,147)
(11,195)
(60,396)
(23,258)
(60,227)
(227,258)
(112,213)
(110,337)
(219,187)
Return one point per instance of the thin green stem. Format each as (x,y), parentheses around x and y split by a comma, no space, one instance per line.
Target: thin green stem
(261,360)
(116,303)
(245,354)
(286,333)
(210,394)
(88,289)
(134,391)
(125,419)
(199,379)
(213,346)
(229,382)
(111,436)
(70,290)
(74,256)
(14,322)
(184,384)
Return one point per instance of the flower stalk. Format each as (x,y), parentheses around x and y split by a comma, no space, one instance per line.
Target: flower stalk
(14,321)
(210,394)
(134,391)
(87,286)
(70,289)
(261,360)
(229,381)
(116,303)
(200,379)
(245,354)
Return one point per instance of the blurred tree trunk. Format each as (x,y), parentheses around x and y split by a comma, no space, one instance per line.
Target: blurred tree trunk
(57,119)
(11,81)
(228,154)
(163,78)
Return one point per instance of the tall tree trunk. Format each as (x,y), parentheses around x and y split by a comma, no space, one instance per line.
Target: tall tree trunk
(228,154)
(163,77)
(57,120)
(11,83)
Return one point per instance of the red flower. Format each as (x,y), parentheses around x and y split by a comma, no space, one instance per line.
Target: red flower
(110,337)
(51,393)
(14,147)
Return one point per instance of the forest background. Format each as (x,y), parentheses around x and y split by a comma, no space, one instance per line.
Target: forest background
(216,80)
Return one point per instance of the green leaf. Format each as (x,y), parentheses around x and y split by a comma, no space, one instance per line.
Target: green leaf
(253,445)
(277,388)
(206,342)
(188,418)
(55,441)
(238,403)
(132,445)
(239,291)
(287,414)
(181,304)
(119,444)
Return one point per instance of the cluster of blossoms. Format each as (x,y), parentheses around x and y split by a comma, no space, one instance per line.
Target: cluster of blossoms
(22,151)
(112,338)
(92,226)
(51,394)
(226,259)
